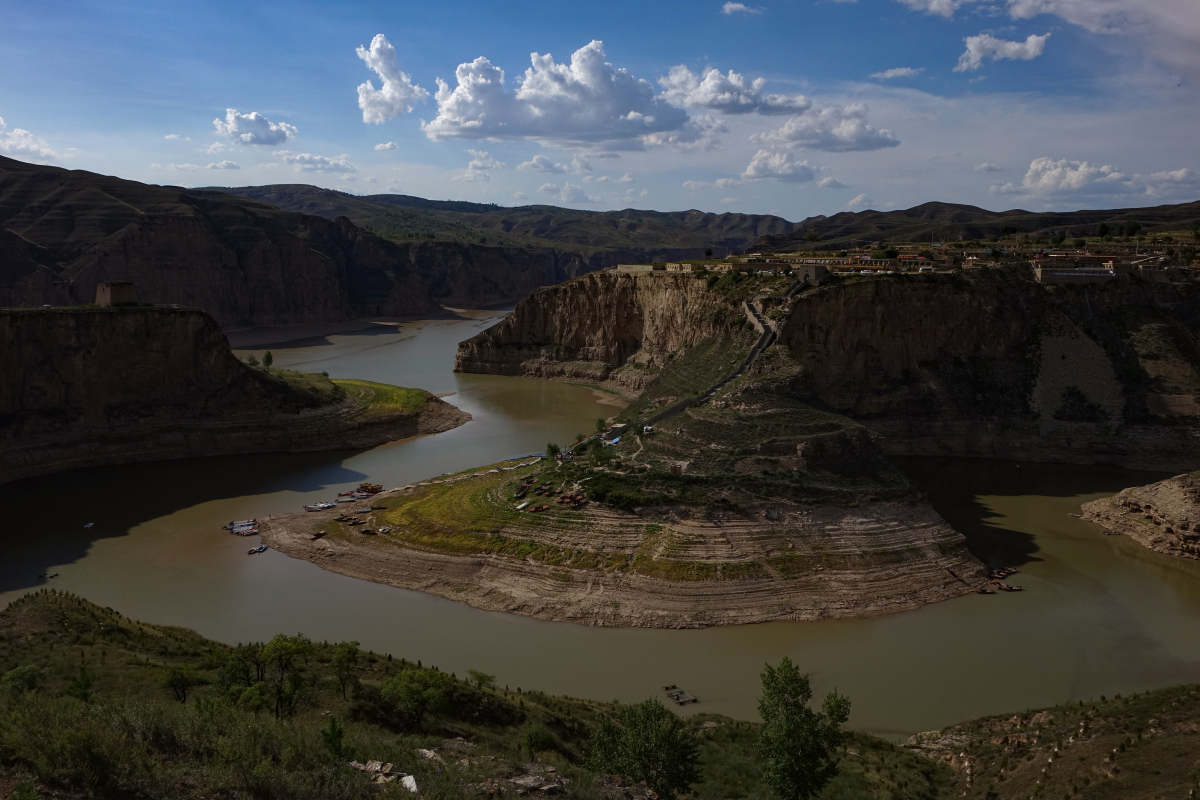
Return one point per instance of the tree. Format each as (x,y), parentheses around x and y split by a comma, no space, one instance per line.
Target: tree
(708,252)
(251,360)
(285,682)
(552,450)
(812,236)
(80,686)
(601,424)
(1196,230)
(418,692)
(345,662)
(481,679)
(334,738)
(1080,243)
(540,739)
(20,680)
(268,359)
(798,745)
(651,744)
(579,437)
(1102,230)
(179,682)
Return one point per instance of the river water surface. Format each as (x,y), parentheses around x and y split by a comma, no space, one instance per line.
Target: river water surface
(1100,615)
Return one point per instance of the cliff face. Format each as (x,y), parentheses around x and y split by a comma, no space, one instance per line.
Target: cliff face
(246,263)
(588,327)
(1163,516)
(113,385)
(993,364)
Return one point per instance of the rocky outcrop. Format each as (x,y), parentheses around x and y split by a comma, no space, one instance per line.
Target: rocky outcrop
(246,263)
(106,386)
(1163,516)
(587,328)
(993,364)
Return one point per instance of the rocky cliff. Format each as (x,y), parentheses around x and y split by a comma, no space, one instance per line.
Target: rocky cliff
(246,263)
(992,363)
(104,386)
(1163,516)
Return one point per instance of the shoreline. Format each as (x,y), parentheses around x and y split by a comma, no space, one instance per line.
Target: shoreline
(815,562)
(257,338)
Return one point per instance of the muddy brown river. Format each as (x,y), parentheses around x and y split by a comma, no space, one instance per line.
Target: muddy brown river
(1100,615)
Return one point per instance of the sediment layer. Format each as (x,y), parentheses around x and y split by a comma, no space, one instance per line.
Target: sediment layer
(1163,516)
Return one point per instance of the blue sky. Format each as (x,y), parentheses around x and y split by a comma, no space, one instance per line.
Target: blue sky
(1039,104)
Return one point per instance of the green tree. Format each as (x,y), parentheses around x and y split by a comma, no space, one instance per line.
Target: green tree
(1196,230)
(285,681)
(601,425)
(20,680)
(552,450)
(812,236)
(708,252)
(798,745)
(418,692)
(334,738)
(579,437)
(345,664)
(80,685)
(651,744)
(179,681)
(1080,243)
(481,679)
(252,360)
(540,739)
(1102,230)
(268,359)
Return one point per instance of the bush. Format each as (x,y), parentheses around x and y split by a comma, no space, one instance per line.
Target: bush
(539,739)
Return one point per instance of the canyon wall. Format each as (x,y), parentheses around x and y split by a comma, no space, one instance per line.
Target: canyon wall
(104,386)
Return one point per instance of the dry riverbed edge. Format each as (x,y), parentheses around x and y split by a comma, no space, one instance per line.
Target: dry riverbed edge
(1162,516)
(923,561)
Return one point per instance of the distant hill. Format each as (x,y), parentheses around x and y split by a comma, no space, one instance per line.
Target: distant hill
(952,222)
(400,217)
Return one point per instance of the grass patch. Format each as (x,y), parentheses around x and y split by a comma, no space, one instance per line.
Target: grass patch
(381,399)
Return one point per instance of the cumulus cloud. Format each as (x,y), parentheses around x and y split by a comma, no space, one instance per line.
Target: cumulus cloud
(581,165)
(726,183)
(739,8)
(308,162)
(730,200)
(519,196)
(693,185)
(835,129)
(588,101)
(831,183)
(1049,177)
(397,93)
(252,128)
(987,167)
(898,72)
(859,203)
(226,164)
(698,133)
(387,146)
(480,167)
(987,46)
(22,144)
(540,163)
(215,147)
(185,167)
(943,8)
(779,167)
(177,137)
(626,178)
(728,94)
(567,193)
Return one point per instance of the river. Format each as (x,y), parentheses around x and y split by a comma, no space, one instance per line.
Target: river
(1100,615)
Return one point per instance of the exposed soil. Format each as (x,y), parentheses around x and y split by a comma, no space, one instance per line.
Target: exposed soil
(1163,516)
(810,562)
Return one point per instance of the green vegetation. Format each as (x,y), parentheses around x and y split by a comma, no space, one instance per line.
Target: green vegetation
(382,398)
(651,744)
(799,746)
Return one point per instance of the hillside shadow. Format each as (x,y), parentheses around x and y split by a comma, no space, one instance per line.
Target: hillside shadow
(45,517)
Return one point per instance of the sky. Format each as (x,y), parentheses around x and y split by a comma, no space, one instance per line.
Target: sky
(789,107)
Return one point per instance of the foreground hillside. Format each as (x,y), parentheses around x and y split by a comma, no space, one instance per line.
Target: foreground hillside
(64,231)
(94,704)
(86,387)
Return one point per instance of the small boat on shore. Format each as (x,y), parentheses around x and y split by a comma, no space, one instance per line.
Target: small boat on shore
(262,548)
(241,523)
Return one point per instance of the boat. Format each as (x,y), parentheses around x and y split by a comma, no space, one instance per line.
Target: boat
(314,507)
(317,535)
(90,524)
(1074,515)
(523,506)
(241,523)
(1112,533)
(345,499)
(262,548)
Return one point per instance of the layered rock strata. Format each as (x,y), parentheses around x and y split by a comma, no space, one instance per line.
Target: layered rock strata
(1163,516)
(108,386)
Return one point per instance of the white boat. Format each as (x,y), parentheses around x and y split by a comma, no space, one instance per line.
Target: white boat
(316,507)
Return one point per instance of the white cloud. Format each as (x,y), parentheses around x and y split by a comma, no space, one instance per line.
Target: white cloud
(185,167)
(397,93)
(697,134)
(22,144)
(835,129)
(371,179)
(626,178)
(226,164)
(588,101)
(519,196)
(314,163)
(987,46)
(831,183)
(739,8)
(898,72)
(728,200)
(213,148)
(859,203)
(778,167)
(581,164)
(987,167)
(252,128)
(567,193)
(693,185)
(540,163)
(1048,177)
(728,94)
(480,167)
(726,183)
(387,146)
(177,137)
